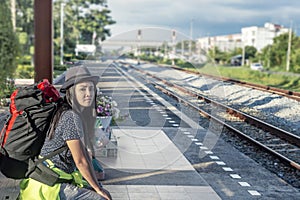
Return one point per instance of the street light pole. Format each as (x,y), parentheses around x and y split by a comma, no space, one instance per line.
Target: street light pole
(191,39)
(62,4)
(289,50)
(174,46)
(139,36)
(13,13)
(243,55)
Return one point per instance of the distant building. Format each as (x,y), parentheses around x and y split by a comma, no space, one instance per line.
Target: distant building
(223,42)
(255,36)
(259,37)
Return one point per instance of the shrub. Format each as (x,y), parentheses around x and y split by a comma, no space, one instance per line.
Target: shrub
(8,50)
(25,60)
(60,67)
(24,71)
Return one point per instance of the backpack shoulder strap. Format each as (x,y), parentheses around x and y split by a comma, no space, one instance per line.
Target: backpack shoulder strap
(50,155)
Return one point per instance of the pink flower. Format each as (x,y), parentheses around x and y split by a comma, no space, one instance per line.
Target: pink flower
(104,106)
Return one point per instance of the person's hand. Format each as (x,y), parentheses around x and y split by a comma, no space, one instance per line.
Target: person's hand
(104,193)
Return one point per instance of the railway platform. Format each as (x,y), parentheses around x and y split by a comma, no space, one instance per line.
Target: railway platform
(149,166)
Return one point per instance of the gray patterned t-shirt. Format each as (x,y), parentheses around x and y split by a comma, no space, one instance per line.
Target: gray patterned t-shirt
(69,127)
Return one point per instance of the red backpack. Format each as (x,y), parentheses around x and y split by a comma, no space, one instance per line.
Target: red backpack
(31,111)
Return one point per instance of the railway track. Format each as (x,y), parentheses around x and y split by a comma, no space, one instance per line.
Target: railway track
(276,141)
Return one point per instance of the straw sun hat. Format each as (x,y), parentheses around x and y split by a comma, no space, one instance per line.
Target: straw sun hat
(76,75)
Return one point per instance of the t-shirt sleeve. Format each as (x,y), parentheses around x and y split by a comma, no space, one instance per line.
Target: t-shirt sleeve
(71,126)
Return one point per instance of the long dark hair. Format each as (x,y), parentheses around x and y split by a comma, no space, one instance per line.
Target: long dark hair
(87,116)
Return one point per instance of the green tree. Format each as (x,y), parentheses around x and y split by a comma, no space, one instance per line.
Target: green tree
(265,56)
(275,55)
(81,19)
(236,51)
(295,55)
(85,22)
(8,48)
(24,21)
(279,50)
(218,56)
(250,52)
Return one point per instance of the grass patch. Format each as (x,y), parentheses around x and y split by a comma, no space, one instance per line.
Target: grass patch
(278,80)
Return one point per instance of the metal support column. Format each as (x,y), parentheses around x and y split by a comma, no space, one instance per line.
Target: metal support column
(43,51)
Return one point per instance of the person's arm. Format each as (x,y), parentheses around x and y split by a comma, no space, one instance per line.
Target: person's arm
(88,138)
(84,165)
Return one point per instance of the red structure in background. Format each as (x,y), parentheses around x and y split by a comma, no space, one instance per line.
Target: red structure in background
(43,50)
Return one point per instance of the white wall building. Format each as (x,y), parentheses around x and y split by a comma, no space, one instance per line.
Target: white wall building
(223,42)
(259,37)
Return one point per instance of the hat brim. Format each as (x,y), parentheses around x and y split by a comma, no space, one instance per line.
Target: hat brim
(70,83)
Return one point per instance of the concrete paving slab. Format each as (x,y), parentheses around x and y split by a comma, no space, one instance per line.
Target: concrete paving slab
(149,166)
(161,192)
(146,149)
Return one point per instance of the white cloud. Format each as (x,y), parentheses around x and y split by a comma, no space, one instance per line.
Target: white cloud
(209,16)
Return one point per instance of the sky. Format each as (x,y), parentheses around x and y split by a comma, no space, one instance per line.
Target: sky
(200,18)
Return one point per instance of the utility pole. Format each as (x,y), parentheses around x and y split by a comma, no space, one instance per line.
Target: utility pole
(289,50)
(191,39)
(243,55)
(43,51)
(62,4)
(182,48)
(269,57)
(166,50)
(13,13)
(174,46)
(139,36)
(243,50)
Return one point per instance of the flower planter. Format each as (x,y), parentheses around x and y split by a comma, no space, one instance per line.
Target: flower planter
(102,131)
(104,121)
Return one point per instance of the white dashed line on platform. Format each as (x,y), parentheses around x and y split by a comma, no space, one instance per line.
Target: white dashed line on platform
(254,193)
(199,144)
(244,184)
(214,157)
(220,163)
(235,176)
(227,169)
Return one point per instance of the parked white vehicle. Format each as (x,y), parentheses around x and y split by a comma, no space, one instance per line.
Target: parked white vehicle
(256,66)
